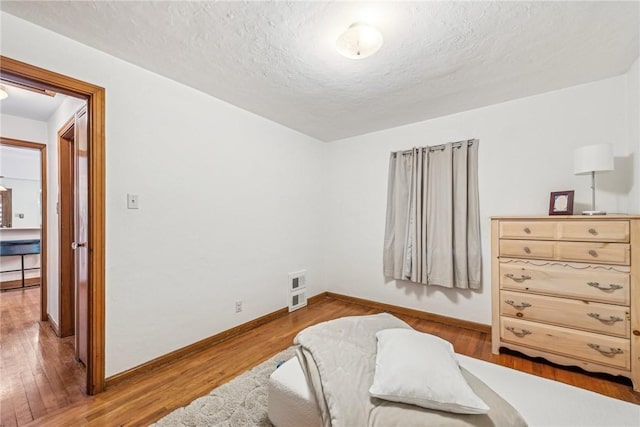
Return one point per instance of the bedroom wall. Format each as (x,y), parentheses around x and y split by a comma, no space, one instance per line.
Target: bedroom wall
(526,152)
(229,202)
(633,109)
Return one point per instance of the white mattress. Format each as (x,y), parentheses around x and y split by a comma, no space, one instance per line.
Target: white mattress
(291,402)
(540,401)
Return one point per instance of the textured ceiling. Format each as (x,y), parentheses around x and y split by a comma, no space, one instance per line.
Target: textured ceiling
(278,60)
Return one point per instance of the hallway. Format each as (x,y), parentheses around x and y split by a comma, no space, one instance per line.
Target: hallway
(38,371)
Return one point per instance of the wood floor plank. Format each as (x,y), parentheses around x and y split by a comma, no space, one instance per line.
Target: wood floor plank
(21,405)
(7,412)
(36,405)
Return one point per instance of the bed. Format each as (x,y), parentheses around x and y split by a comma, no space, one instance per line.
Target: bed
(296,398)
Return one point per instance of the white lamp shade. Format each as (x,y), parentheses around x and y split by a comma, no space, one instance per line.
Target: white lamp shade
(359,41)
(593,158)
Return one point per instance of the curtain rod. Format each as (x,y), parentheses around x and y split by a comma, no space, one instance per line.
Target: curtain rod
(440,147)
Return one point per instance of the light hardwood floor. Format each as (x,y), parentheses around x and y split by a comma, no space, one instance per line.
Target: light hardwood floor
(151,396)
(38,371)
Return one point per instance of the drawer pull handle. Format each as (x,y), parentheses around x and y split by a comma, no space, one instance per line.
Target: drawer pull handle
(520,306)
(520,333)
(611,287)
(520,279)
(610,321)
(612,351)
(527,250)
(593,231)
(593,253)
(527,230)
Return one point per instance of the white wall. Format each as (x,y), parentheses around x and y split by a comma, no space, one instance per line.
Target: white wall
(633,109)
(19,162)
(24,129)
(229,202)
(20,171)
(19,234)
(63,113)
(26,206)
(526,152)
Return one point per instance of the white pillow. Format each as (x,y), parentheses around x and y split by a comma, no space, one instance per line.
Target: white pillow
(421,369)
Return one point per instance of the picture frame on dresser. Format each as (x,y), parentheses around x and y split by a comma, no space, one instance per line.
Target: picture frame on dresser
(561,203)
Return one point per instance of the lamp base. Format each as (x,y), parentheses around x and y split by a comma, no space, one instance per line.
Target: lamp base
(594,213)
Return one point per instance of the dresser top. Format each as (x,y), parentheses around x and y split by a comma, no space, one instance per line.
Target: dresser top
(571,217)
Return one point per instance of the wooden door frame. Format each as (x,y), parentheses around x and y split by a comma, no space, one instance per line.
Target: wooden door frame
(66,288)
(42,148)
(21,72)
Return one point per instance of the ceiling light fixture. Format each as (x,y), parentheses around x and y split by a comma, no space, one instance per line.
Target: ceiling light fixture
(359,41)
(3,93)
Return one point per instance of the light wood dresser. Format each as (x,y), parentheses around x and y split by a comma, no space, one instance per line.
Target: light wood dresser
(567,288)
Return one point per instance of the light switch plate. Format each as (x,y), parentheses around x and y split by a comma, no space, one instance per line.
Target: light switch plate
(132,201)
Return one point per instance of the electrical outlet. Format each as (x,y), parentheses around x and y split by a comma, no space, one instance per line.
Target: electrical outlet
(238,306)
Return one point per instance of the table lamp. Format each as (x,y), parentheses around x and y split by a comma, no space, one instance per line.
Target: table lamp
(592,159)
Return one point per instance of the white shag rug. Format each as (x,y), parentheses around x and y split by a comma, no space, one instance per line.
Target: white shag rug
(242,402)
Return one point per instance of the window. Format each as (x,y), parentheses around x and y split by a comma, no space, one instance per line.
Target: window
(432,233)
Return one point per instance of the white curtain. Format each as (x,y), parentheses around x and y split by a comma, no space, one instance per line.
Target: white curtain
(432,233)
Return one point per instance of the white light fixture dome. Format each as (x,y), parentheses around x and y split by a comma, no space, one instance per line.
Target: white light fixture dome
(3,92)
(359,41)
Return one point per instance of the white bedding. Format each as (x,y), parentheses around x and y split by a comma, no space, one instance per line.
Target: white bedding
(291,402)
(338,359)
(544,402)
(540,401)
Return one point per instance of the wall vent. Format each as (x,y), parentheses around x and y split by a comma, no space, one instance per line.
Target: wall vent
(297,290)
(297,280)
(297,299)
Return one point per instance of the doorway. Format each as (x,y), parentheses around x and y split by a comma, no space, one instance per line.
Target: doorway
(72,236)
(66,270)
(94,245)
(42,150)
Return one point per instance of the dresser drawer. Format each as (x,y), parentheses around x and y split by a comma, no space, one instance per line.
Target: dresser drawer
(604,253)
(32,274)
(579,281)
(591,316)
(528,249)
(595,231)
(10,276)
(583,345)
(31,261)
(13,262)
(537,230)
